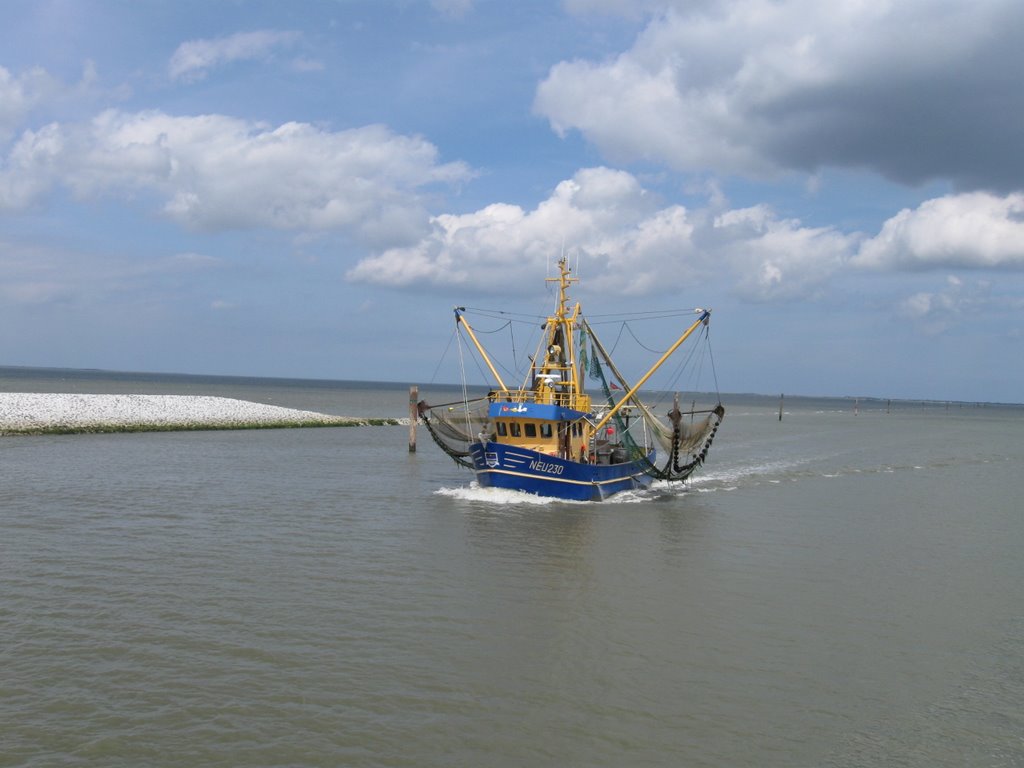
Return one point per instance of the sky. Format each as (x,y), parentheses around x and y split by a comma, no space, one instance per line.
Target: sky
(305,190)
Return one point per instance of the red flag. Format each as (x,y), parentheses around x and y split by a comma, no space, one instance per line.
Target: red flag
(615,386)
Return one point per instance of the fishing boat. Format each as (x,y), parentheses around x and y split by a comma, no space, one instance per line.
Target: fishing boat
(548,437)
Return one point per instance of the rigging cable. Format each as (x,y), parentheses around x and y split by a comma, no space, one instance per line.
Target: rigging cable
(711,357)
(462,371)
(520,317)
(650,315)
(444,354)
(512,336)
(627,326)
(687,364)
(617,338)
(516,368)
(496,330)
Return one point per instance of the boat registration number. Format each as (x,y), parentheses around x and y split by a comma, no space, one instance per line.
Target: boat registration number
(537,465)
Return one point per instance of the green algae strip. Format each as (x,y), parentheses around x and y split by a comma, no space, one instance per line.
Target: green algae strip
(99,429)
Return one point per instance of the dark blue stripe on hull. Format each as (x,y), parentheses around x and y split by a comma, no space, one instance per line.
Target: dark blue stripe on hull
(519,469)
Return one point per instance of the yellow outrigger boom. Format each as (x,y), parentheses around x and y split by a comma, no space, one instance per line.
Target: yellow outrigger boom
(705,314)
(483,353)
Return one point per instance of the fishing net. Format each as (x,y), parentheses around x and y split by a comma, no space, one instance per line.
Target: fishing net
(682,446)
(454,426)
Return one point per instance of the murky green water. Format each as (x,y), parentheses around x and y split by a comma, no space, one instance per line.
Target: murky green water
(834,589)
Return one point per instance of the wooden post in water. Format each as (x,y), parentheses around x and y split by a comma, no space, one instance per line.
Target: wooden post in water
(414,416)
(781,398)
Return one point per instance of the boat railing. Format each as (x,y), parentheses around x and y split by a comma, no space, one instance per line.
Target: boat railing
(545,396)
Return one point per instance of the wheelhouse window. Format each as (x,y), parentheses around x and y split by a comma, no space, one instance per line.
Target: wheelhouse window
(502,431)
(514,429)
(530,429)
(545,430)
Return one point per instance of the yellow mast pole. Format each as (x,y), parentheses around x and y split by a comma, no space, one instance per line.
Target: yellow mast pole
(636,387)
(561,319)
(460,319)
(576,387)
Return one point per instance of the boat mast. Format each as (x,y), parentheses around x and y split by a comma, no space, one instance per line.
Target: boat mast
(560,333)
(705,314)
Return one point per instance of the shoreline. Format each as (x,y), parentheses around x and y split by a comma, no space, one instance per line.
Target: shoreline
(29,413)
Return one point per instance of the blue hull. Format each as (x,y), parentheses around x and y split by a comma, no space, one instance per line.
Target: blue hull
(520,469)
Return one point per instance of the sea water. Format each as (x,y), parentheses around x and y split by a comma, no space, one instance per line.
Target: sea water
(838,588)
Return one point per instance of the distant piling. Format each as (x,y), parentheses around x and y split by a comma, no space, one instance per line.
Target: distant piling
(782,397)
(414,415)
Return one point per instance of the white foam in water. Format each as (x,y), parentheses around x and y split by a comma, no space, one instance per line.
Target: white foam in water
(707,481)
(498,496)
(506,497)
(729,478)
(633,497)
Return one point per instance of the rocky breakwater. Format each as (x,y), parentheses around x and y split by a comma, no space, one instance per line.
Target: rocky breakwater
(35,413)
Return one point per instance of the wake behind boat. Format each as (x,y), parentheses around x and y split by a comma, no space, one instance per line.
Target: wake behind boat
(548,437)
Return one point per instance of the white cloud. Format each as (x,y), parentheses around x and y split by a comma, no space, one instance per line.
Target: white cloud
(626,241)
(215,172)
(662,126)
(602,214)
(47,274)
(453,8)
(760,86)
(28,171)
(18,95)
(36,90)
(628,8)
(30,275)
(189,262)
(778,259)
(194,58)
(934,312)
(974,230)
(303,64)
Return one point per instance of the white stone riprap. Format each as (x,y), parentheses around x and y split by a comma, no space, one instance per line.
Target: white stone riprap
(34,412)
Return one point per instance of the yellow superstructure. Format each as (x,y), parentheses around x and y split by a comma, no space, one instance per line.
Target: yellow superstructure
(554,379)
